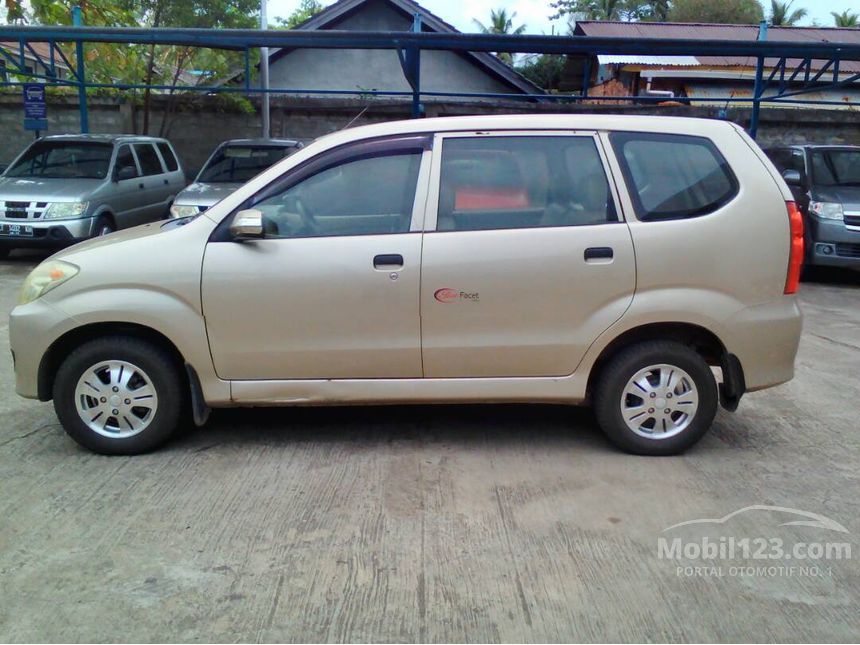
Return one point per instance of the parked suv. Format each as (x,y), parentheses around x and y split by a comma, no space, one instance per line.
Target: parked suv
(231,165)
(825,183)
(63,189)
(564,259)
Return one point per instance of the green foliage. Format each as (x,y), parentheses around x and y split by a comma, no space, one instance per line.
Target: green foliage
(306,10)
(501,23)
(611,9)
(545,70)
(736,12)
(781,14)
(845,19)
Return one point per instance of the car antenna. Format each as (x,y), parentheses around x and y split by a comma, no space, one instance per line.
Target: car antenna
(355,118)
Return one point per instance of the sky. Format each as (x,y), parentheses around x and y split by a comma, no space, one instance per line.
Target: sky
(535,13)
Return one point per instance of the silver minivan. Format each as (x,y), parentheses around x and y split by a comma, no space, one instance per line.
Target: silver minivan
(66,188)
(644,265)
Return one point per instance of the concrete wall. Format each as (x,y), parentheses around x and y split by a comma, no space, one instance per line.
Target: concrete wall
(195,132)
(363,69)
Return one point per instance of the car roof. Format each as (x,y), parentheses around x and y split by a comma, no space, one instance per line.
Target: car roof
(818,146)
(103,138)
(275,143)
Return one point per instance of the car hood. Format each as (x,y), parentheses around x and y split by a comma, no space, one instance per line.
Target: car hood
(33,189)
(120,238)
(848,196)
(203,194)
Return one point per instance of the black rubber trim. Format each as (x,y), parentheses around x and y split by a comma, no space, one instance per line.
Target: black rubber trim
(733,386)
(199,409)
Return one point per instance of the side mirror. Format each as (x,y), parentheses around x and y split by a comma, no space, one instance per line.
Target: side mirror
(792,177)
(126,172)
(247,225)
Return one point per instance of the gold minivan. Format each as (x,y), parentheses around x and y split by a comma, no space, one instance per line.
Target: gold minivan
(644,265)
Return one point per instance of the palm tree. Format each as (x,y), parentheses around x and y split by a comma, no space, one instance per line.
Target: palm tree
(501,23)
(781,14)
(846,19)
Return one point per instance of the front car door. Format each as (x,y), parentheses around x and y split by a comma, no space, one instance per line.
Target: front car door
(156,187)
(332,290)
(127,199)
(529,260)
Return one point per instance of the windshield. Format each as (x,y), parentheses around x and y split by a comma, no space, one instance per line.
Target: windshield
(836,167)
(64,160)
(238,164)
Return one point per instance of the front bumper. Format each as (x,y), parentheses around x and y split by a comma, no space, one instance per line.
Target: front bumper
(832,244)
(33,328)
(48,233)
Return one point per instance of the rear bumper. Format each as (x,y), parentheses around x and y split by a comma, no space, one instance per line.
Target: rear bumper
(765,339)
(48,234)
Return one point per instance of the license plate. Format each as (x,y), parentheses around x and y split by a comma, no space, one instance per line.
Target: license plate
(16,230)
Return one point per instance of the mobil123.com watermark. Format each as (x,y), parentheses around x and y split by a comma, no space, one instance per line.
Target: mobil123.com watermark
(793,543)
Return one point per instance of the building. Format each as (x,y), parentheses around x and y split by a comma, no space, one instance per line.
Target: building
(37,60)
(365,70)
(694,79)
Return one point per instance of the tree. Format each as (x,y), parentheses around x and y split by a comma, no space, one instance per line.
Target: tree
(611,9)
(307,9)
(501,23)
(845,19)
(735,12)
(782,16)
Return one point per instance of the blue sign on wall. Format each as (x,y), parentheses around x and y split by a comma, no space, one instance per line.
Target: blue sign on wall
(35,110)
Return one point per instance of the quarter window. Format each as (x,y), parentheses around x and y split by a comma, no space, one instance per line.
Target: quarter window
(365,196)
(673,176)
(522,182)
(148,158)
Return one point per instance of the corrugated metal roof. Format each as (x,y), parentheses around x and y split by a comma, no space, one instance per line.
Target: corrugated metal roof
(623,59)
(42,49)
(711,32)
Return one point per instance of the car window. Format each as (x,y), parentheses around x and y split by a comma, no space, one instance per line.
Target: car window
(63,160)
(125,159)
(168,156)
(522,182)
(366,196)
(238,163)
(148,158)
(673,176)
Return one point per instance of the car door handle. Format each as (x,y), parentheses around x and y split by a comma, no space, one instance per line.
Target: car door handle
(388,261)
(140,185)
(598,253)
(166,182)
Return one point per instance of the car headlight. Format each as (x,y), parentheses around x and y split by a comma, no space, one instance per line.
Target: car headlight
(185,210)
(827,210)
(46,276)
(65,210)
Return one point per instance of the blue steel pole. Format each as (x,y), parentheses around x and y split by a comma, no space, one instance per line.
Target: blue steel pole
(414,54)
(758,88)
(77,21)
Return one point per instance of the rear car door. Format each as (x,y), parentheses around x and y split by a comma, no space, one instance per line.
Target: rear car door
(526,259)
(127,200)
(332,290)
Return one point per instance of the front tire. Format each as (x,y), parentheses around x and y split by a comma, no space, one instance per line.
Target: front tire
(119,395)
(104,226)
(656,398)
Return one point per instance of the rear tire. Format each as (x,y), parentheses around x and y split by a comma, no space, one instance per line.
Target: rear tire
(119,395)
(656,398)
(4,253)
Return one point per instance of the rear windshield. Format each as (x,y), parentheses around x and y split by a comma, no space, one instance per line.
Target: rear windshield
(836,167)
(238,164)
(64,160)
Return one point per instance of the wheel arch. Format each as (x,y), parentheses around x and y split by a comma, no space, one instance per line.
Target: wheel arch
(65,344)
(702,340)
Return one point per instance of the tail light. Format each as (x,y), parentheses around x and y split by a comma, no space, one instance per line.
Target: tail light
(795,256)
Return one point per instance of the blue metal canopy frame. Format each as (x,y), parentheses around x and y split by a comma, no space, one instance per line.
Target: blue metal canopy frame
(410,44)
